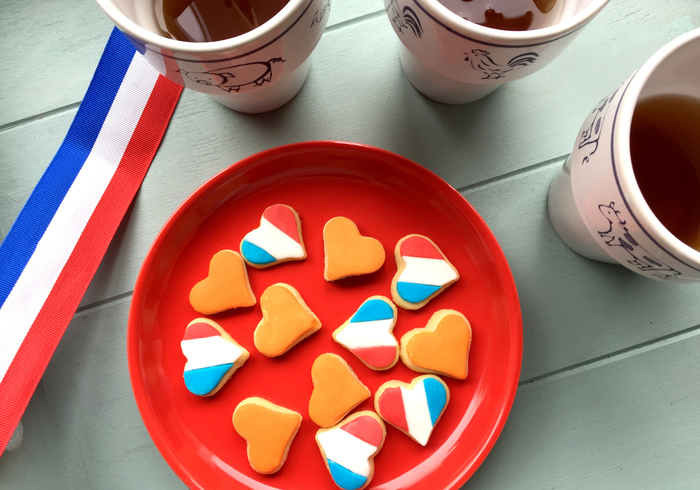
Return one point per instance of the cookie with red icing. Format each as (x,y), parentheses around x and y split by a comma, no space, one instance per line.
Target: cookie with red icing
(349,449)
(278,238)
(422,272)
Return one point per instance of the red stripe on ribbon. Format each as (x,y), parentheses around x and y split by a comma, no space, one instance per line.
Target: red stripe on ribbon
(42,339)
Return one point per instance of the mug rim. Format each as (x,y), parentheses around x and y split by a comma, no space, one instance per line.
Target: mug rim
(131,28)
(622,162)
(498,37)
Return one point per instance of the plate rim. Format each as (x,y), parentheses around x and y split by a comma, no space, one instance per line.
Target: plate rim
(137,387)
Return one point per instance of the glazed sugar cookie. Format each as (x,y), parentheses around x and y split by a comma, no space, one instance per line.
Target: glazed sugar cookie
(337,390)
(368,333)
(212,356)
(278,238)
(225,287)
(414,408)
(442,347)
(349,448)
(268,429)
(422,273)
(286,320)
(347,253)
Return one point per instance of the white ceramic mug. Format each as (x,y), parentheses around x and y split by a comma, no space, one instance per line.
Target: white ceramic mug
(595,203)
(454,61)
(257,71)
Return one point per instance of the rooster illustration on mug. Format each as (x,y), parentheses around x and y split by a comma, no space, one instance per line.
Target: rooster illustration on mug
(482,61)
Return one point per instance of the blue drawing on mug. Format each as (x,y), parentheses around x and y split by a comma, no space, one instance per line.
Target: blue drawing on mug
(233,78)
(404,19)
(482,61)
(591,135)
(617,235)
(321,13)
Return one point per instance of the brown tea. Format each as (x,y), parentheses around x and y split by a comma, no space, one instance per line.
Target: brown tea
(665,152)
(508,15)
(213,20)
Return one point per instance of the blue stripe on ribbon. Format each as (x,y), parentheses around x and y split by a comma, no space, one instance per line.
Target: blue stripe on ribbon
(37,213)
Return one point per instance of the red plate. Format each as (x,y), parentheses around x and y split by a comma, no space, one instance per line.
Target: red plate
(388,197)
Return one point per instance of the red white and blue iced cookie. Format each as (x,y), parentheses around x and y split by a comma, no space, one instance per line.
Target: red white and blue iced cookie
(422,273)
(278,238)
(349,448)
(368,333)
(212,356)
(414,408)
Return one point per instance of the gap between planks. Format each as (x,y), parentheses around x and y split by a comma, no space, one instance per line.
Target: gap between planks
(526,384)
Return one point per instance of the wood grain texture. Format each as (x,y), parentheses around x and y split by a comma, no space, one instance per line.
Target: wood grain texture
(610,389)
(624,423)
(50,50)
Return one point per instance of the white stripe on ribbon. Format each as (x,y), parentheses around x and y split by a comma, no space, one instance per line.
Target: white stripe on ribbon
(415,403)
(347,450)
(34,285)
(433,272)
(209,351)
(374,333)
(274,241)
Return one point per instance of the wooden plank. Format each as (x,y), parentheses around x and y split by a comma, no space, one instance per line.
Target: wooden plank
(574,309)
(628,422)
(37,462)
(563,296)
(594,426)
(98,427)
(44,71)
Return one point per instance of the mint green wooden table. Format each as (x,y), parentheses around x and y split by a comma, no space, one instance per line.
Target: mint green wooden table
(609,393)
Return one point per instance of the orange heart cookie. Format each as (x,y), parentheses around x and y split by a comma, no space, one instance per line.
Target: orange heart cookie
(286,320)
(225,287)
(347,253)
(269,430)
(337,390)
(441,347)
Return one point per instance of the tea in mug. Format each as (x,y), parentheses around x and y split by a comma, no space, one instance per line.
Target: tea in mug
(213,20)
(665,153)
(508,15)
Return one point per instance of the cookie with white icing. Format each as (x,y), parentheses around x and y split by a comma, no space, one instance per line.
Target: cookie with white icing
(349,449)
(422,273)
(212,356)
(278,238)
(414,408)
(368,333)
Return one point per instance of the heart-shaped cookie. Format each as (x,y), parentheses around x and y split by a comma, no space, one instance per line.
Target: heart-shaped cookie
(368,333)
(347,252)
(286,321)
(422,272)
(212,356)
(413,408)
(349,449)
(337,390)
(268,429)
(441,347)
(277,239)
(227,285)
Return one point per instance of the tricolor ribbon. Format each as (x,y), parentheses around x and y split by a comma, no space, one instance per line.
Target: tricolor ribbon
(52,251)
